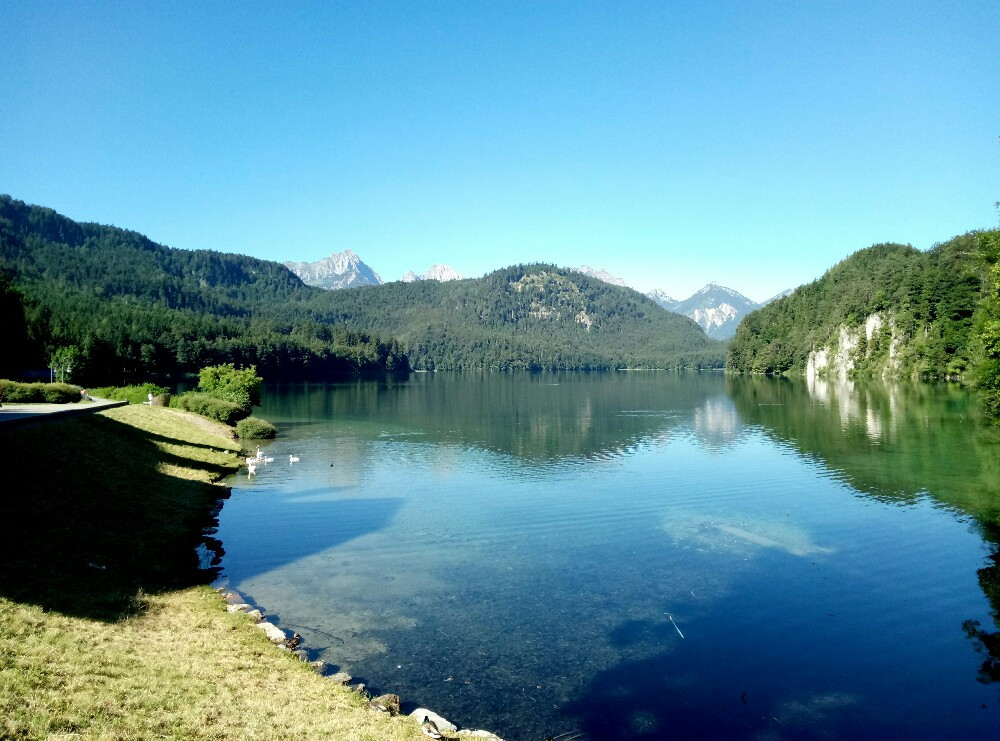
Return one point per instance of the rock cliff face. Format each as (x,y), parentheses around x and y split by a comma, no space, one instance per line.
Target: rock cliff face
(876,344)
(339,270)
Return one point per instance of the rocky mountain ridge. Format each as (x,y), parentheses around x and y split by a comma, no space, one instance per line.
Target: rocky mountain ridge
(339,270)
(717,309)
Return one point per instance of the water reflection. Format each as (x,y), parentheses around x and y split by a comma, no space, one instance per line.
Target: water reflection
(928,441)
(717,424)
(536,418)
(626,555)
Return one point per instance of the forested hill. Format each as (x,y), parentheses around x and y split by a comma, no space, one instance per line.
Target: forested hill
(526,316)
(132,308)
(889,310)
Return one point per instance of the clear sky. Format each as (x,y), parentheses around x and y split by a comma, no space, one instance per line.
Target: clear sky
(672,143)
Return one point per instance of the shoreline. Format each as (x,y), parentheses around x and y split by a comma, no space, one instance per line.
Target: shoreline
(108,618)
(236,602)
(388,702)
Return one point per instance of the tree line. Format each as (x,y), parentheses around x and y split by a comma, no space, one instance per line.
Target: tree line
(133,309)
(940,312)
(130,309)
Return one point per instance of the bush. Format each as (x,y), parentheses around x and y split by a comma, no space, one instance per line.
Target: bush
(15,392)
(255,428)
(241,387)
(59,393)
(222,411)
(131,394)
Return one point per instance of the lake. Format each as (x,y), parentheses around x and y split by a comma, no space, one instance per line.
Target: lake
(636,555)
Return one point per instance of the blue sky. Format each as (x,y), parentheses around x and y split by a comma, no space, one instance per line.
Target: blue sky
(673,143)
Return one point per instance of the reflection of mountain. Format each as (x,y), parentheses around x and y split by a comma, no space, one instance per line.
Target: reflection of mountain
(536,417)
(717,424)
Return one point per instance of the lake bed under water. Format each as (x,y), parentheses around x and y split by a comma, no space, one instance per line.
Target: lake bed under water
(642,555)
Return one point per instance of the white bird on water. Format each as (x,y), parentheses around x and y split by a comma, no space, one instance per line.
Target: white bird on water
(293,459)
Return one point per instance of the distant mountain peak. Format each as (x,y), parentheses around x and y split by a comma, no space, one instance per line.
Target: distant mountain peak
(661,298)
(438,272)
(442,273)
(601,274)
(339,270)
(717,309)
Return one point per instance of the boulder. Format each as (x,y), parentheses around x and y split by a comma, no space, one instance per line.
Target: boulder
(341,678)
(464,733)
(273,632)
(239,607)
(390,702)
(443,725)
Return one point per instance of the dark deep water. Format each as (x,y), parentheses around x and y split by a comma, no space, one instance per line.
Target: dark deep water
(634,555)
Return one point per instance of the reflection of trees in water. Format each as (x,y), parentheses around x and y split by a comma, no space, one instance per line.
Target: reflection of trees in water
(989,579)
(897,443)
(536,417)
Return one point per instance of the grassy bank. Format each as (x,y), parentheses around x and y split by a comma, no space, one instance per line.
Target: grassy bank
(107,629)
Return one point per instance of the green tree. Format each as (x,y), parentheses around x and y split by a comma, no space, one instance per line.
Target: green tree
(987,323)
(239,386)
(63,361)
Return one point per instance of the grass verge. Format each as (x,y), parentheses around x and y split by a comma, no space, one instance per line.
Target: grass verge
(107,629)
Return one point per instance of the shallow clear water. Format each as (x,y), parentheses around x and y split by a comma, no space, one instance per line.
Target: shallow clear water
(632,555)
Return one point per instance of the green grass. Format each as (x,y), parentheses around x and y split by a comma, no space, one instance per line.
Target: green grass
(107,629)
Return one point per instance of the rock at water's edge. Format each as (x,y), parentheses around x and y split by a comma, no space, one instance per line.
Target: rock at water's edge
(273,632)
(443,725)
(391,702)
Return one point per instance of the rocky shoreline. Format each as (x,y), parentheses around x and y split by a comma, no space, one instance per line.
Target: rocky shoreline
(387,703)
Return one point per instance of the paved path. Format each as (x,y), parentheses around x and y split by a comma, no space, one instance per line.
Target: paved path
(22,414)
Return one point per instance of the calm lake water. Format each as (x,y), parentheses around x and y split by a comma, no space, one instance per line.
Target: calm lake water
(635,555)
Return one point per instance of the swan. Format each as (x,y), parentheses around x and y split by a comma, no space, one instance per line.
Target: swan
(293,459)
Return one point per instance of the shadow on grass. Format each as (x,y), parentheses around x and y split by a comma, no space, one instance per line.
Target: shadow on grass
(90,523)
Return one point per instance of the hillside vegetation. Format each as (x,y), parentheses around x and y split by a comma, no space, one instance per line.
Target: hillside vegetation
(890,311)
(525,317)
(131,308)
(134,308)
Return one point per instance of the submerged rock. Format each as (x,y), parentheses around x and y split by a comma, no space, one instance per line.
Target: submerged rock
(341,678)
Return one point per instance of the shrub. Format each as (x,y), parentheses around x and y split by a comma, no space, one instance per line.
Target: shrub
(131,394)
(59,393)
(220,410)
(15,392)
(240,387)
(255,428)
